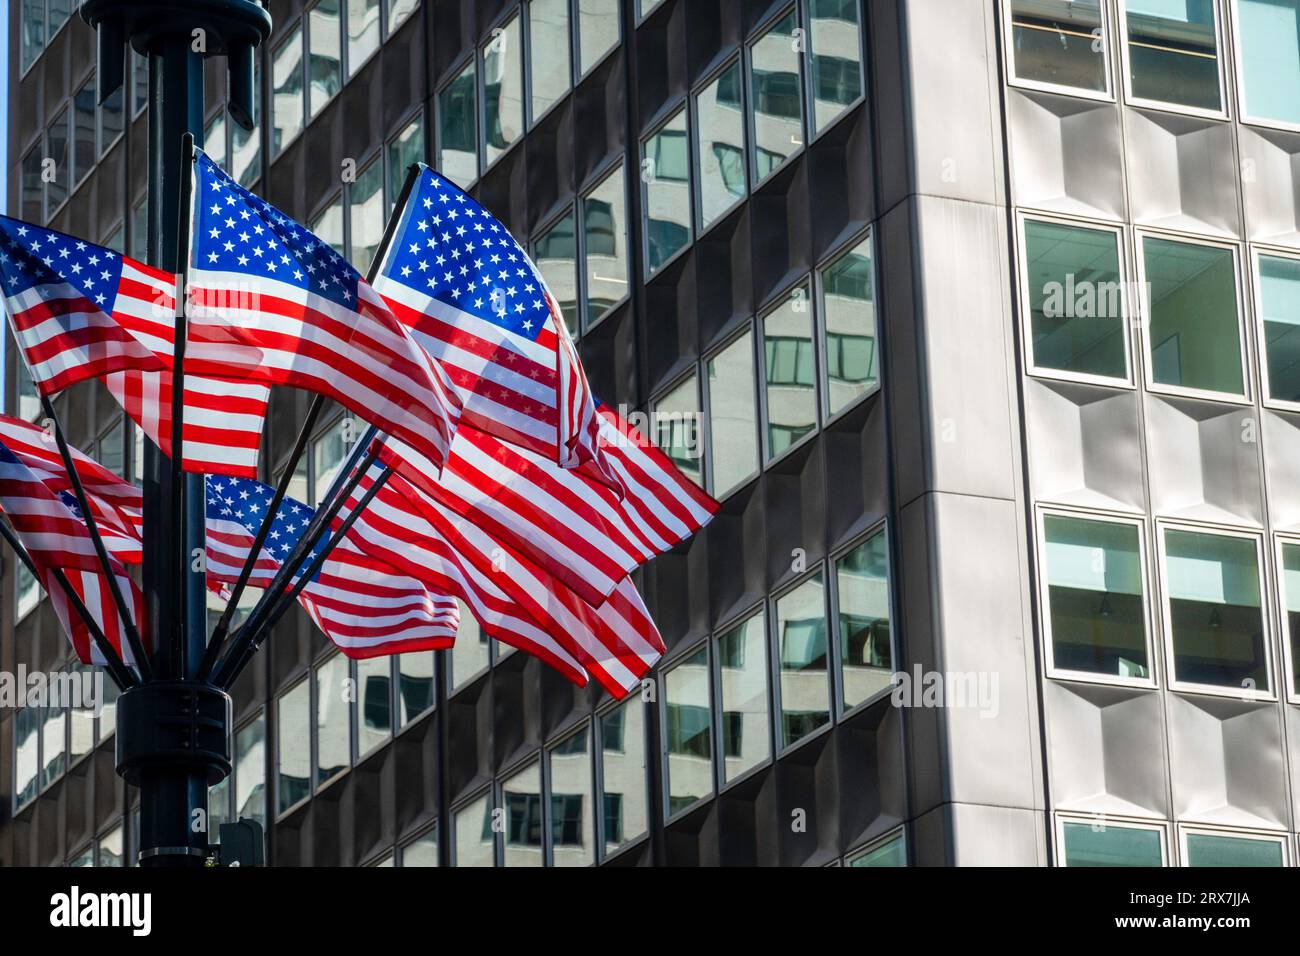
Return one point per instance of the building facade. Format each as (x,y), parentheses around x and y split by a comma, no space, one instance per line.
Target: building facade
(974,314)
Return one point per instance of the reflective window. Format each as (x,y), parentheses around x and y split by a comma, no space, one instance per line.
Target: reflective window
(405,149)
(604,231)
(1075,299)
(32,30)
(720,145)
(85,858)
(890,853)
(112,119)
(1173,52)
(521,801)
(218,809)
(472,829)
(503,89)
(293,719)
(548,56)
(1059,43)
(644,7)
(733,426)
(81,718)
(1279,302)
(746,719)
(1194,323)
(862,593)
(423,850)
(776,95)
(32,189)
(54,755)
(108,712)
(56,148)
(27,745)
(1222,849)
(398,11)
(140,82)
(111,450)
(1096,611)
(328,226)
(214,139)
(414,686)
(555,254)
(366,215)
(363,32)
(623,774)
(469,655)
(1268,34)
(677,428)
(573,838)
(84,151)
(790,372)
(665,169)
(597,31)
(59,12)
(250,771)
(323,67)
(836,46)
(1216,620)
(849,323)
(1102,844)
(286,91)
(246,146)
(111,851)
(1289,575)
(374,702)
(688,731)
(457,139)
(27,591)
(801,643)
(140,230)
(333,724)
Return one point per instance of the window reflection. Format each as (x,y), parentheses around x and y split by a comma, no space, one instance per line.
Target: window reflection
(521,801)
(549,59)
(423,850)
(333,730)
(733,426)
(503,90)
(862,590)
(790,372)
(777,96)
(56,149)
(472,827)
(720,146)
(250,771)
(323,62)
(1269,34)
(1173,51)
(286,91)
(666,169)
(801,633)
(110,851)
(54,756)
(414,685)
(623,774)
(1059,42)
(1091,844)
(328,226)
(405,149)
(293,719)
(374,707)
(469,655)
(363,32)
(742,665)
(556,255)
(246,146)
(366,214)
(836,46)
(604,226)
(688,734)
(83,134)
(27,729)
(572,822)
(677,428)
(1279,293)
(597,31)
(849,318)
(1290,576)
(457,129)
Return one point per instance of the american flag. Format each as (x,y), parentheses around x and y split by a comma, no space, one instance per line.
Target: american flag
(70,303)
(271,303)
(476,303)
(365,606)
(54,532)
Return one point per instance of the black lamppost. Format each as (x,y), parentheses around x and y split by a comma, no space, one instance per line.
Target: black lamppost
(173,731)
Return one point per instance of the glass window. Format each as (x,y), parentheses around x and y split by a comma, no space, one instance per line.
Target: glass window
(1194,323)
(374,704)
(469,655)
(81,718)
(214,139)
(406,148)
(1173,52)
(116,239)
(54,735)
(549,63)
(556,255)
(890,853)
(84,152)
(110,849)
(140,82)
(665,169)
(32,30)
(733,425)
(777,95)
(866,646)
(246,145)
(112,447)
(521,798)
(27,591)
(573,838)
(720,146)
(1221,849)
(1096,610)
(1290,580)
(250,771)
(363,32)
(218,809)
(108,713)
(423,850)
(56,148)
(503,89)
(688,731)
(323,67)
(623,774)
(1269,35)
(677,428)
(849,320)
(604,232)
(414,686)
(597,31)
(328,453)
(746,719)
(836,46)
(398,11)
(366,213)
(293,726)
(472,827)
(112,119)
(27,744)
(1059,43)
(789,370)
(86,858)
(1076,299)
(328,226)
(1216,620)
(333,730)
(286,91)
(1098,844)
(140,231)
(801,638)
(60,10)
(33,187)
(1279,302)
(457,137)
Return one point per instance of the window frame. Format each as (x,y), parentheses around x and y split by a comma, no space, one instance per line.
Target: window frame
(531,119)
(598,775)
(1107,36)
(64,108)
(1221,49)
(346,66)
(566,209)
(702,228)
(811,133)
(757,35)
(774,663)
(1255,252)
(1239,77)
(433,828)
(894,833)
(674,109)
(453,74)
(501,22)
(1281,838)
(464,803)
(679,656)
(306,59)
(304,89)
(721,783)
(840,708)
(821,331)
(606,171)
(1106,820)
(691,371)
(774,304)
(1290,659)
(706,410)
(575,29)
(568,732)
(307,674)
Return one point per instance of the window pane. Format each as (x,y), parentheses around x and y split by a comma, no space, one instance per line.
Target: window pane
(250,771)
(56,148)
(1269,35)
(457,126)
(777,96)
(1094,593)
(677,428)
(363,32)
(328,453)
(1291,607)
(503,90)
(110,849)
(469,655)
(665,167)
(398,11)
(790,372)
(112,120)
(733,426)
(140,231)
(1194,321)
(214,139)
(1173,52)
(866,650)
(414,685)
(333,731)
(801,633)
(218,809)
(472,826)
(849,314)
(33,30)
(328,226)
(323,66)
(28,591)
(374,707)
(1092,844)
(294,746)
(1279,293)
(604,229)
(140,79)
(573,839)
(422,851)
(33,188)
(1205,849)
(887,854)
(742,662)
(108,713)
(286,93)
(688,731)
(82,718)
(836,58)
(556,256)
(1059,42)
(623,774)
(548,55)
(112,448)
(60,10)
(521,797)
(406,149)
(84,152)
(27,729)
(86,858)
(54,755)
(246,147)
(1214,610)
(720,145)
(597,31)
(366,210)
(1076,304)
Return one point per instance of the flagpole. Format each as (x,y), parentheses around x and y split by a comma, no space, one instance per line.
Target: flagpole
(180,516)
